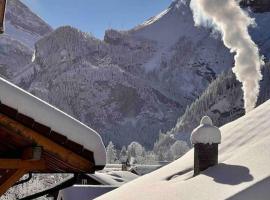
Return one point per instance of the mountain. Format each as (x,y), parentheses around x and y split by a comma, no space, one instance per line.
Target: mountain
(242,172)
(24,25)
(187,58)
(160,75)
(22,29)
(135,83)
(222,101)
(81,79)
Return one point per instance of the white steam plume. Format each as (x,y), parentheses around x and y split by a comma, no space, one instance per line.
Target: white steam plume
(227,17)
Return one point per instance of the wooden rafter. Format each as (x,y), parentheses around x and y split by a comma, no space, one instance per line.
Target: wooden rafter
(9,178)
(14,169)
(52,156)
(66,155)
(27,165)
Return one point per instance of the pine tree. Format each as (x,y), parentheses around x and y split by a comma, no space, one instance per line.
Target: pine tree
(111,153)
(123,154)
(178,149)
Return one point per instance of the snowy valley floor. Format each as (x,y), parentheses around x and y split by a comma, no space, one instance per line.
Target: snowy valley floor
(243,171)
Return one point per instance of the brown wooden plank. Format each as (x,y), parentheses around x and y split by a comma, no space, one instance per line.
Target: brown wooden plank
(9,179)
(42,129)
(9,111)
(74,146)
(54,164)
(58,138)
(2,16)
(4,146)
(25,120)
(48,145)
(13,139)
(88,155)
(30,165)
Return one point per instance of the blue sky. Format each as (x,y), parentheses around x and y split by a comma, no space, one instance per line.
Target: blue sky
(95,16)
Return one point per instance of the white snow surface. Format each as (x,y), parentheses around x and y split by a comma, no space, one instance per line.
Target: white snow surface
(84,192)
(242,173)
(206,133)
(50,116)
(114,177)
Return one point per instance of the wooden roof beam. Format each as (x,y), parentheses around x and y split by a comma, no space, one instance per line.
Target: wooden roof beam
(27,165)
(9,179)
(66,155)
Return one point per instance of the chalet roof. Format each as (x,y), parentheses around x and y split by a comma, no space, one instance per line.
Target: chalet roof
(37,137)
(48,120)
(113,178)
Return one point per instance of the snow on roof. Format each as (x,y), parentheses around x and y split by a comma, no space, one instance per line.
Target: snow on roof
(206,133)
(243,172)
(54,118)
(84,192)
(114,177)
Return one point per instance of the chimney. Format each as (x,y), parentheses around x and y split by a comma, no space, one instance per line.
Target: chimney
(205,139)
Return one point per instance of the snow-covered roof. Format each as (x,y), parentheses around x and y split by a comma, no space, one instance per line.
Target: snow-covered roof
(206,133)
(114,177)
(84,192)
(54,118)
(243,172)
(108,180)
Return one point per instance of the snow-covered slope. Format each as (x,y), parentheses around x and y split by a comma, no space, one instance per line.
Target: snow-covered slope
(242,172)
(222,101)
(187,58)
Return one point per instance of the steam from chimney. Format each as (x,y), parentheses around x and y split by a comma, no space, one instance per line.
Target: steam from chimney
(227,17)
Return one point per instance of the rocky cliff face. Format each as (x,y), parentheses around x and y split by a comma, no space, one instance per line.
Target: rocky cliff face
(23,25)
(22,29)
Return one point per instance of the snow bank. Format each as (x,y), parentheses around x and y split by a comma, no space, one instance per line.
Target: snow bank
(206,133)
(50,116)
(243,172)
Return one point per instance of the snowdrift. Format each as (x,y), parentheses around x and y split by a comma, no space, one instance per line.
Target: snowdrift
(242,173)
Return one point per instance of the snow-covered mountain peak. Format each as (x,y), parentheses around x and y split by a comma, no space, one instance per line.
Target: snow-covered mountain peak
(169,25)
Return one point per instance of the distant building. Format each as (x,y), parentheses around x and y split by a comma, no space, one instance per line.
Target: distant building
(90,186)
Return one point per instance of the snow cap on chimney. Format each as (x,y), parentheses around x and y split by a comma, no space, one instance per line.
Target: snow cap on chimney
(206,133)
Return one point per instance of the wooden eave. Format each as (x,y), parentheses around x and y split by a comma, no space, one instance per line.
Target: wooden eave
(59,154)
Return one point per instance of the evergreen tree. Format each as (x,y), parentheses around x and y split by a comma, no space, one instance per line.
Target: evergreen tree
(111,153)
